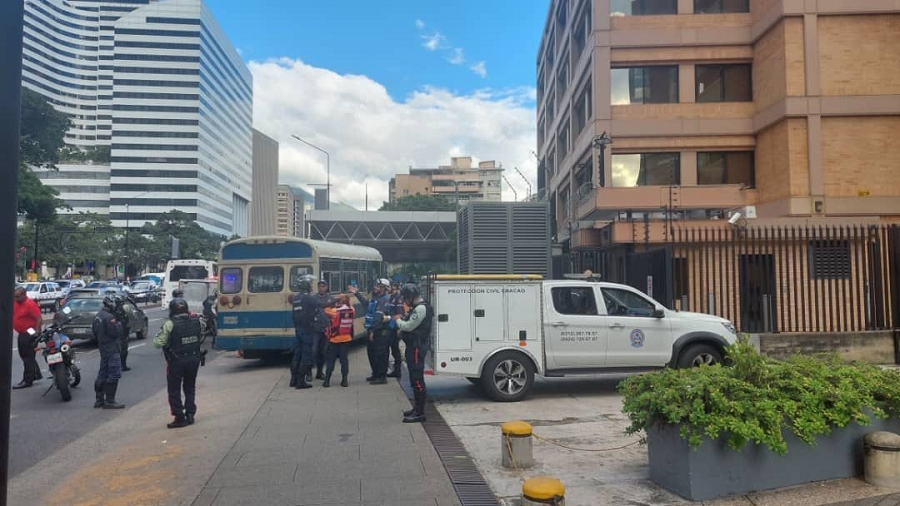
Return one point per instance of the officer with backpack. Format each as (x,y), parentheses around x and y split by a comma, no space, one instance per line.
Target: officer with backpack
(304,304)
(415,330)
(181,338)
(321,324)
(397,308)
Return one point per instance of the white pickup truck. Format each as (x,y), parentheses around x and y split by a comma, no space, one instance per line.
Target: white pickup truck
(499,331)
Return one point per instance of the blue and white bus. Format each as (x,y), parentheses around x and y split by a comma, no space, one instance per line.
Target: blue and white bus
(258,278)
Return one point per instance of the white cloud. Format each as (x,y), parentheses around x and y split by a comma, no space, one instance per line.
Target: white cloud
(433,42)
(479,68)
(420,25)
(371,136)
(458,57)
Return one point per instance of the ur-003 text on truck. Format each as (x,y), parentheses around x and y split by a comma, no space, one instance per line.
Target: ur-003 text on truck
(499,331)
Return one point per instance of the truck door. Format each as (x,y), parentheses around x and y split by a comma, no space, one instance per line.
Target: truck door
(636,337)
(489,315)
(576,331)
(454,318)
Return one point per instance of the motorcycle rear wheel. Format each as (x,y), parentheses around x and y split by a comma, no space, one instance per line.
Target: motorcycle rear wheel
(61,377)
(75,378)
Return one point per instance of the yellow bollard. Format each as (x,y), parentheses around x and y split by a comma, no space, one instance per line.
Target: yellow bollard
(516,445)
(543,490)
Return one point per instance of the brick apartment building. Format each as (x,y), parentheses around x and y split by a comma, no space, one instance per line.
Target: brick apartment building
(786,111)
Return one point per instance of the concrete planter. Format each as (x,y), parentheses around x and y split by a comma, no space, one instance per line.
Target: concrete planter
(715,470)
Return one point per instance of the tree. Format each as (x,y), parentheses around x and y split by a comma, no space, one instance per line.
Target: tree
(419,203)
(42,130)
(194,241)
(42,138)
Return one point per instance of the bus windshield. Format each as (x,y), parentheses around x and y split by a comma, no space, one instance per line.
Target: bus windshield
(180,272)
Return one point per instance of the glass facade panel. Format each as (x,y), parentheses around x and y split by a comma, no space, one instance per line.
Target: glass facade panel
(647,169)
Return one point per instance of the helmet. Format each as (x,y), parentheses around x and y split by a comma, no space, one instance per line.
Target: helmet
(383,282)
(110,302)
(178,306)
(305,283)
(178,293)
(410,291)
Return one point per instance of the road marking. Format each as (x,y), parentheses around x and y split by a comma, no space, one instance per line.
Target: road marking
(157,319)
(136,346)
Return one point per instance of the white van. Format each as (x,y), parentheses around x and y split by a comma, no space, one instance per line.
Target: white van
(499,331)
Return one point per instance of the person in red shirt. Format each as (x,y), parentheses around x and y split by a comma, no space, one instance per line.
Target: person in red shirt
(26,315)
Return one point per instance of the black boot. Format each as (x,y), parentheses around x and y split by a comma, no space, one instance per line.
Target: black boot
(319,375)
(418,414)
(189,418)
(293,382)
(21,384)
(344,381)
(379,381)
(180,421)
(409,412)
(397,372)
(327,382)
(98,391)
(110,388)
(371,378)
(302,380)
(308,376)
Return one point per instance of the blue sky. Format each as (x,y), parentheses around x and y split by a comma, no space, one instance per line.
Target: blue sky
(383,41)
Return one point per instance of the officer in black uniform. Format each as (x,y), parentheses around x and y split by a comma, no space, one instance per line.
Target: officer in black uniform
(415,330)
(180,339)
(304,308)
(108,333)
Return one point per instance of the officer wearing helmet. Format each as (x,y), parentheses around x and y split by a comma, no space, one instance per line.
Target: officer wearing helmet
(125,313)
(415,330)
(181,339)
(304,308)
(397,307)
(108,332)
(376,322)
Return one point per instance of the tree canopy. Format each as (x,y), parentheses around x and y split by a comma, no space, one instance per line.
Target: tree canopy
(419,203)
(42,134)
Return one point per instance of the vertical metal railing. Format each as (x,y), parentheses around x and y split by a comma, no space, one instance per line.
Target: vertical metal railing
(836,278)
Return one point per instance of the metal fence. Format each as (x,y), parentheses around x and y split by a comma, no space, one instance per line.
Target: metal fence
(770,279)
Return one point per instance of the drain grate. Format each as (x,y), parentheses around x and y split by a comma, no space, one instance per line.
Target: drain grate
(471,489)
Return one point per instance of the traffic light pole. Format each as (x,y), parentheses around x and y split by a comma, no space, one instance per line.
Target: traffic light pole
(10,89)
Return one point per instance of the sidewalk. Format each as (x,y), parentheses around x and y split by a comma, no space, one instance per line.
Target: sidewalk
(256,441)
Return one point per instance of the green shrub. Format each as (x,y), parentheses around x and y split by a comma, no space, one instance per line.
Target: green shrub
(756,399)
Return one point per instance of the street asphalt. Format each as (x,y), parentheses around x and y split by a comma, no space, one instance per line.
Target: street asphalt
(42,424)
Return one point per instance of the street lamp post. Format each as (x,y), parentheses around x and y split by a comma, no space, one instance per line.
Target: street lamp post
(327,168)
(127,226)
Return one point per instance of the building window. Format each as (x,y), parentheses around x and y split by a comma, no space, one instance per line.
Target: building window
(562,15)
(564,203)
(642,7)
(540,86)
(562,78)
(646,169)
(725,167)
(829,259)
(717,6)
(540,133)
(644,85)
(551,109)
(723,83)
(582,110)
(562,143)
(551,162)
(580,31)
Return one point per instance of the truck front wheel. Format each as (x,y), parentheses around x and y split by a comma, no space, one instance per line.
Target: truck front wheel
(699,354)
(508,377)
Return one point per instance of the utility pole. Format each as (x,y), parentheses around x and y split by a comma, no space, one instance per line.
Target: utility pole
(526,180)
(11,23)
(327,168)
(515,193)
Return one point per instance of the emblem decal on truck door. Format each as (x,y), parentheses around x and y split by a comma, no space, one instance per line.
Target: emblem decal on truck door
(637,338)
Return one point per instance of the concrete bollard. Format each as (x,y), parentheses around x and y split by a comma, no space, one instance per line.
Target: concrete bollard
(542,491)
(516,437)
(882,459)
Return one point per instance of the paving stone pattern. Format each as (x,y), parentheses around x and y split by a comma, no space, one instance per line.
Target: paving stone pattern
(331,446)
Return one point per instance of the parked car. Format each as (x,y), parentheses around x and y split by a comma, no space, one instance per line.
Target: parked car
(143,291)
(68,285)
(47,294)
(82,313)
(103,284)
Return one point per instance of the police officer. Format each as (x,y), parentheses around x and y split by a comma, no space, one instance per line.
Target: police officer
(320,343)
(125,313)
(397,307)
(415,330)
(304,307)
(209,313)
(180,339)
(108,333)
(377,323)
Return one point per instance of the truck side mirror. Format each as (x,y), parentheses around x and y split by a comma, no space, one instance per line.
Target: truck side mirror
(659,313)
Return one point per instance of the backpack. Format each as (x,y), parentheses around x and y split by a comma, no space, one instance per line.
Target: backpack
(320,320)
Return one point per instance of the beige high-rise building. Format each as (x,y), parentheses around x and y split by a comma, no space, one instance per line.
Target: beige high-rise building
(290,218)
(789,107)
(265,184)
(459,180)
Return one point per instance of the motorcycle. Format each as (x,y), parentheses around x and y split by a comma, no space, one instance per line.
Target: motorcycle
(57,350)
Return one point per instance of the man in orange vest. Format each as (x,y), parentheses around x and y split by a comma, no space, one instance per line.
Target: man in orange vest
(339,337)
